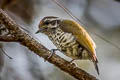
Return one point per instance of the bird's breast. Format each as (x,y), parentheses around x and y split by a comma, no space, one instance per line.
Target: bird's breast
(61,39)
(67,43)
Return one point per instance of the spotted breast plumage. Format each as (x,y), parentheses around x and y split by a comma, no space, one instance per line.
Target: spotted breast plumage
(67,43)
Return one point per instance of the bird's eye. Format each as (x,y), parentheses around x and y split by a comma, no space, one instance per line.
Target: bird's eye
(46,22)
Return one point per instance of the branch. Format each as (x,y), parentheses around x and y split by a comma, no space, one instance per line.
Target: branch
(8,38)
(27,41)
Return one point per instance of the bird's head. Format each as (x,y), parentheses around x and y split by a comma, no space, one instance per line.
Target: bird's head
(48,23)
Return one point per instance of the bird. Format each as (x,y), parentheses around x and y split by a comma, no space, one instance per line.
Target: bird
(70,38)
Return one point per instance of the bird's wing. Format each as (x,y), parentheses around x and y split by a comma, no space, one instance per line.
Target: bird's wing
(81,35)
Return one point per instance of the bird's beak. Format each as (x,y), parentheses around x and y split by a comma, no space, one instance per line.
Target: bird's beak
(41,30)
(38,31)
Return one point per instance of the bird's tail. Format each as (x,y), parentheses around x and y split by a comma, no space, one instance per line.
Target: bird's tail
(95,62)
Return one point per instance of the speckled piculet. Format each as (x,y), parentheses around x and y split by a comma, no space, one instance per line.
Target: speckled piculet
(70,38)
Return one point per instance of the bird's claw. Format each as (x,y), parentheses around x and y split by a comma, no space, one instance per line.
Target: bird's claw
(52,52)
(73,63)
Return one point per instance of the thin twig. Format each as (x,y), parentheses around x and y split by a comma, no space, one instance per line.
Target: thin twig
(5,53)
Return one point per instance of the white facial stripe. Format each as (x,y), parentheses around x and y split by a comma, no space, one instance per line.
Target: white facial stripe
(53,26)
(52,19)
(49,19)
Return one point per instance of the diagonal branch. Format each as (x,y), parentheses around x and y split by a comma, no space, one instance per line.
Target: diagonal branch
(27,41)
(6,38)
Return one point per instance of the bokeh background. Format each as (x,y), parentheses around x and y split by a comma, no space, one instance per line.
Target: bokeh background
(99,16)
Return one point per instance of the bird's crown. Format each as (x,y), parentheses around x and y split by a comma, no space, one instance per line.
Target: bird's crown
(49,22)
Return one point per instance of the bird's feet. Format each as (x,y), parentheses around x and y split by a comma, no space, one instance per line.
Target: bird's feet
(52,52)
(73,63)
